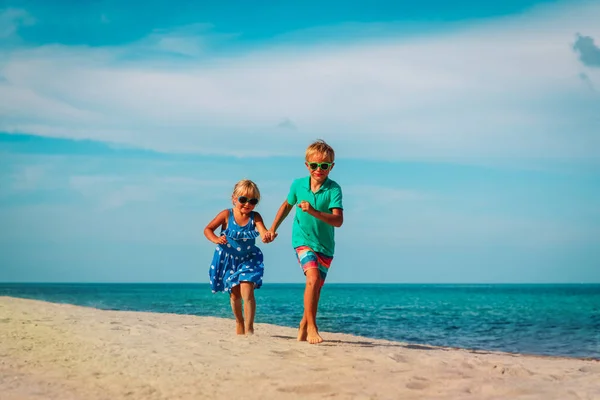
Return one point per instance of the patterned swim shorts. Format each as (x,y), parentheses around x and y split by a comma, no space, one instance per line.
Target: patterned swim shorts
(309,259)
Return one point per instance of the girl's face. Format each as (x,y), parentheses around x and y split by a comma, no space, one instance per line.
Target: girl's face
(245,202)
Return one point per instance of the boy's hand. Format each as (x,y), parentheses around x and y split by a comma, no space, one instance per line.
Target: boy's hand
(269,236)
(306,207)
(221,240)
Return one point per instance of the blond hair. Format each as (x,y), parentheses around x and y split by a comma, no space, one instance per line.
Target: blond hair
(246,187)
(320,147)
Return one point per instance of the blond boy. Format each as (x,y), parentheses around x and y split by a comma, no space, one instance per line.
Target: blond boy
(320,210)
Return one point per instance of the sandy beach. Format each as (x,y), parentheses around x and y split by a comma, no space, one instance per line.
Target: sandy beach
(60,351)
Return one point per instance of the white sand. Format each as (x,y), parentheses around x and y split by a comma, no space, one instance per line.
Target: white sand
(59,351)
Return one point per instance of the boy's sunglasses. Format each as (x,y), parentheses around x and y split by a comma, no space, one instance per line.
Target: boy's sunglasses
(244,200)
(324,165)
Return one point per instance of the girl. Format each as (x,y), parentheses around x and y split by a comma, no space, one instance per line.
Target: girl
(237,265)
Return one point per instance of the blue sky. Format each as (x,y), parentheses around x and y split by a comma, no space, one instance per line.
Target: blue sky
(467,135)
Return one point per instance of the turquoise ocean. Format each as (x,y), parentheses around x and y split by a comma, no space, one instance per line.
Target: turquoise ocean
(557,320)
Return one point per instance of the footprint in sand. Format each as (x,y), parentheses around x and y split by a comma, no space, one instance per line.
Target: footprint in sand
(285,353)
(515,370)
(398,358)
(467,365)
(306,389)
(420,384)
(590,369)
(366,360)
(417,385)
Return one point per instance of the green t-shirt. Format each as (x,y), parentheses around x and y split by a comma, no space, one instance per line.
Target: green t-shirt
(308,230)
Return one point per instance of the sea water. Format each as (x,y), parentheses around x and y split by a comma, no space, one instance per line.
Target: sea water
(559,320)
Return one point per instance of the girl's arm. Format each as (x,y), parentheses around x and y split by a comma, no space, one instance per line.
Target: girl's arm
(260,225)
(219,220)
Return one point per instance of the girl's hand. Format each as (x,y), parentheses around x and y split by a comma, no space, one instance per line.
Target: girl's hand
(221,240)
(306,207)
(269,236)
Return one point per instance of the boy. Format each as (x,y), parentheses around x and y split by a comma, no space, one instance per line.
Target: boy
(319,202)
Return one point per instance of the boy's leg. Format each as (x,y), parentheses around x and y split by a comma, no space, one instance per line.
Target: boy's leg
(302,331)
(311,263)
(235,298)
(312,293)
(249,306)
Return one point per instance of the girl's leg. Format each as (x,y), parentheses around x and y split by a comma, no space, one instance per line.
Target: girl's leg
(235,298)
(312,293)
(249,306)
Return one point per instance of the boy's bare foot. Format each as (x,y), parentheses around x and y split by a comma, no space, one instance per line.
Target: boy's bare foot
(250,330)
(239,328)
(302,332)
(313,336)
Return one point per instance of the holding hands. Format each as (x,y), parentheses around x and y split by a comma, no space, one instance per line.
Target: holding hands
(269,236)
(305,206)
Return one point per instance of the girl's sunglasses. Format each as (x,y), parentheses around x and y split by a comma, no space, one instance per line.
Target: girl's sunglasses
(244,200)
(324,165)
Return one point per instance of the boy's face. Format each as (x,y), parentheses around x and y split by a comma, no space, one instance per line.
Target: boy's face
(319,166)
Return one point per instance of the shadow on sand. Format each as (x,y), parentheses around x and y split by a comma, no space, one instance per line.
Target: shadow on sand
(362,343)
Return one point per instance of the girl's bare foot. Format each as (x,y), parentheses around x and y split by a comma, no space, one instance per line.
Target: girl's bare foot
(313,336)
(239,328)
(302,332)
(250,330)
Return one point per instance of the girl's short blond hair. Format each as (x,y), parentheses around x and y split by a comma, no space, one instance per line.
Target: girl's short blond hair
(320,147)
(246,187)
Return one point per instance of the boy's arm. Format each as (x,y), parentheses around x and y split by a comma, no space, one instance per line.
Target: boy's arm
(282,213)
(336,218)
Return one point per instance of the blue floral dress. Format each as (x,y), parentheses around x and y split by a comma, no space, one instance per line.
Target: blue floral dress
(239,260)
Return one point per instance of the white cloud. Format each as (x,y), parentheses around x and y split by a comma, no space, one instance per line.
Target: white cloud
(25,178)
(110,191)
(190,40)
(504,88)
(414,218)
(11,19)
(382,198)
(22,177)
